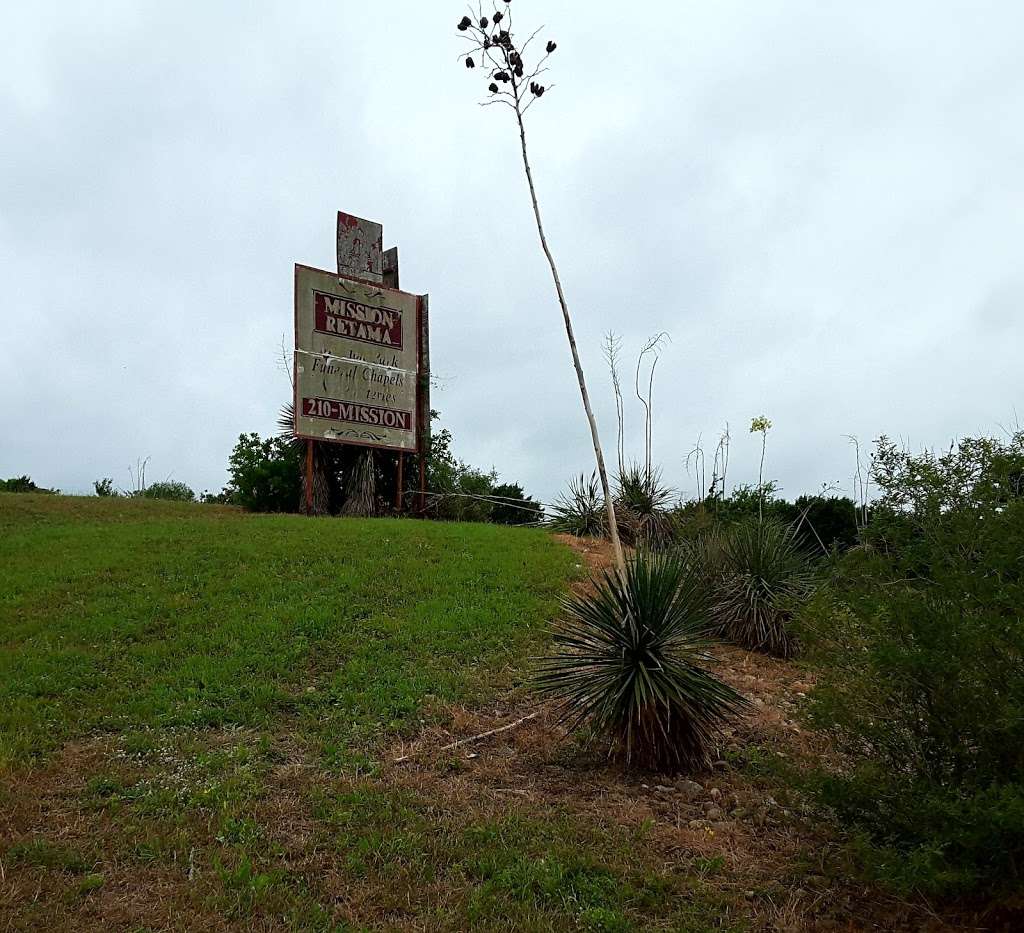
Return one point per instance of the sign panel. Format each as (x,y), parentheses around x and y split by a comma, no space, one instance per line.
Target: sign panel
(356,361)
(360,248)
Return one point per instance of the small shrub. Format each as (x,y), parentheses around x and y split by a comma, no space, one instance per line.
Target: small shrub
(265,474)
(580,511)
(758,574)
(642,504)
(627,665)
(169,490)
(105,488)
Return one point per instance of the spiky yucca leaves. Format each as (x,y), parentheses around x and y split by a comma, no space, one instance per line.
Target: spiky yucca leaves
(642,504)
(626,665)
(759,575)
(580,511)
(286,423)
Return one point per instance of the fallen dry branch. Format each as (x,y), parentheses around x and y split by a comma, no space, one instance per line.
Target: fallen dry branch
(476,738)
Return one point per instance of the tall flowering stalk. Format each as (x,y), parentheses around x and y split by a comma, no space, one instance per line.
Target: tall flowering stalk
(513,82)
(761,425)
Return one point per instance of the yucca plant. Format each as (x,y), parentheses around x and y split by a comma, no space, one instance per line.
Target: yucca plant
(580,510)
(626,666)
(642,504)
(758,574)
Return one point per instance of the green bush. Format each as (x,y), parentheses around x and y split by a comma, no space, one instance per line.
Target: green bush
(749,502)
(921,641)
(105,488)
(821,523)
(514,507)
(169,490)
(825,522)
(627,665)
(265,474)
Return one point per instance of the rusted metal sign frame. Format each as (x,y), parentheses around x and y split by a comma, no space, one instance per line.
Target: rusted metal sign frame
(421,332)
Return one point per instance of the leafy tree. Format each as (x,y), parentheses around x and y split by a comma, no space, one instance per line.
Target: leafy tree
(717,510)
(819,522)
(825,522)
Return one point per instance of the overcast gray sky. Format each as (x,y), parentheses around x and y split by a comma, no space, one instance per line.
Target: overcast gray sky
(822,203)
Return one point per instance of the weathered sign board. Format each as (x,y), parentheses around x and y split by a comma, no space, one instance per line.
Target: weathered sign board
(360,248)
(356,361)
(361,348)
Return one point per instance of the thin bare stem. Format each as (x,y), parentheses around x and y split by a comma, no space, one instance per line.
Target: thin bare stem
(613,528)
(612,348)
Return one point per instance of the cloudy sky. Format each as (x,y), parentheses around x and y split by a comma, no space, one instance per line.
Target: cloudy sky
(821,203)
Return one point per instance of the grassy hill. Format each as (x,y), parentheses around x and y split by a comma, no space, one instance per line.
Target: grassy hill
(218,721)
(118,615)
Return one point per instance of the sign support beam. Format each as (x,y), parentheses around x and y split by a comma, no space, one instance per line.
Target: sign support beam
(309,477)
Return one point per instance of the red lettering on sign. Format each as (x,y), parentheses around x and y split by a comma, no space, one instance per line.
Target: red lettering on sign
(353,413)
(354,320)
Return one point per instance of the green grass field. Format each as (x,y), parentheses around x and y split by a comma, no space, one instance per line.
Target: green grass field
(194,703)
(199,711)
(204,720)
(120,615)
